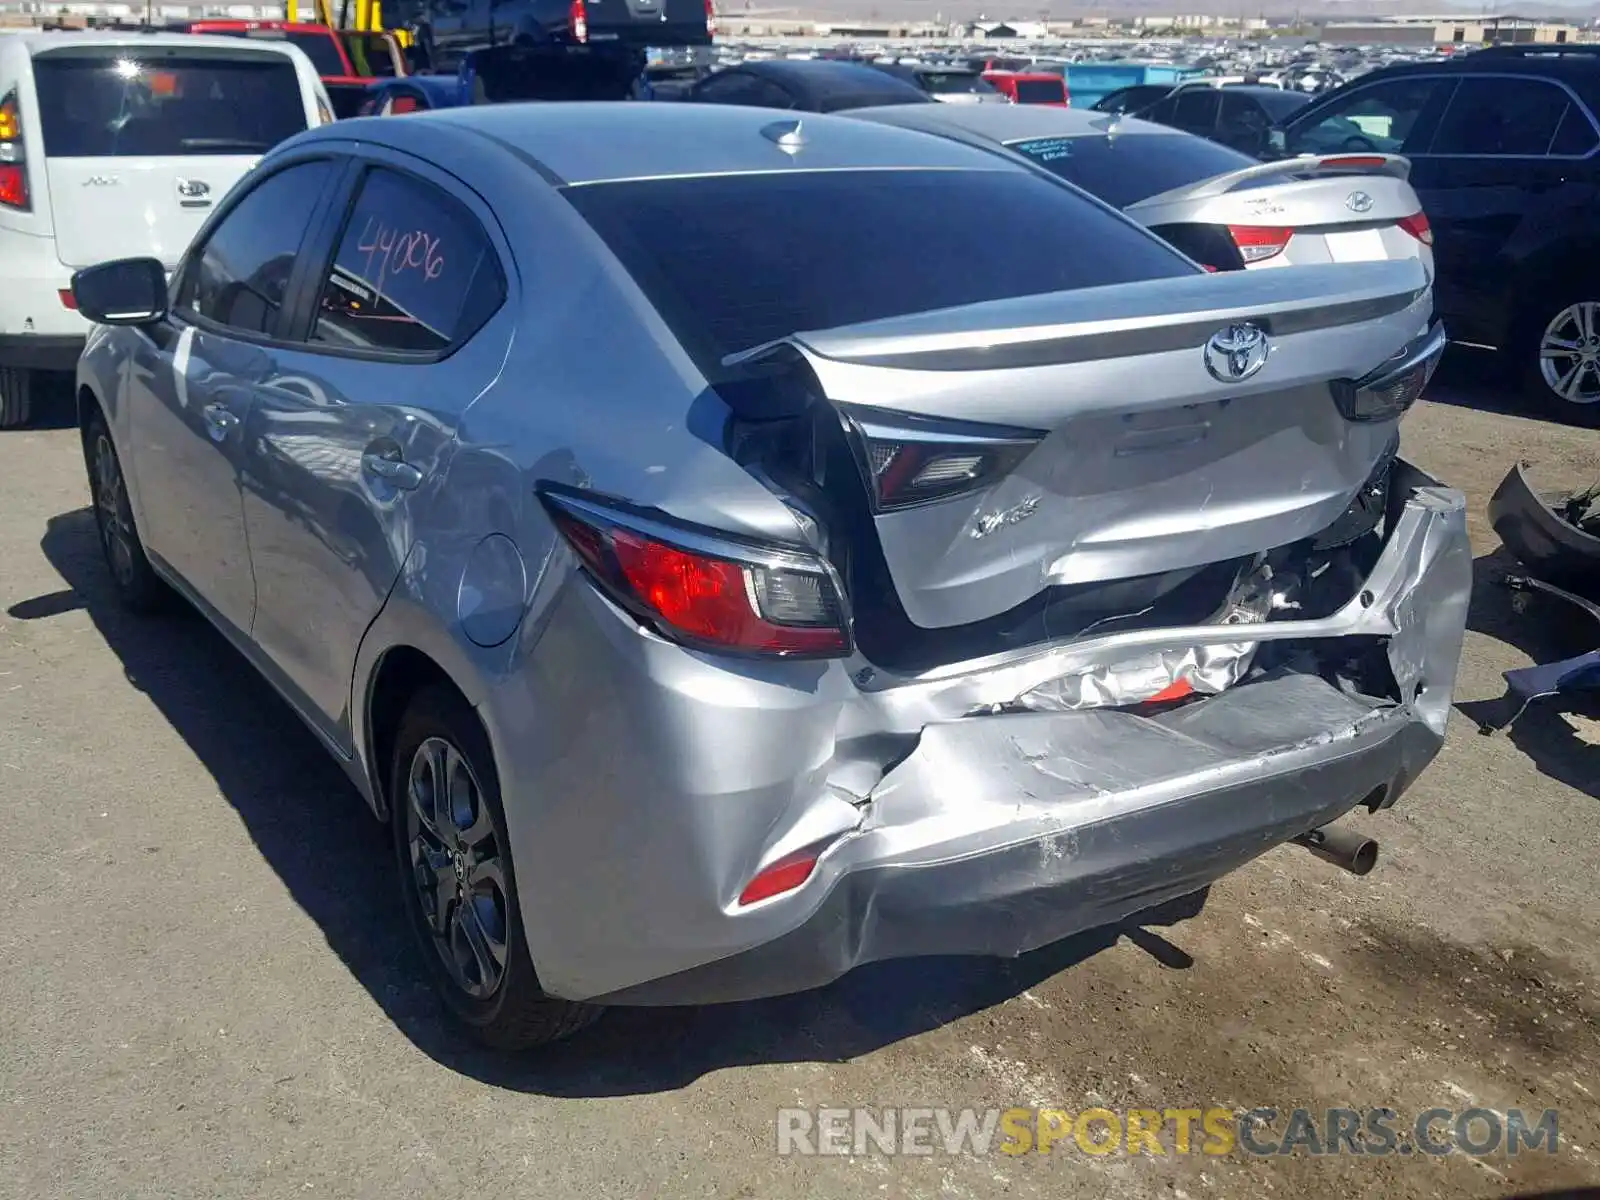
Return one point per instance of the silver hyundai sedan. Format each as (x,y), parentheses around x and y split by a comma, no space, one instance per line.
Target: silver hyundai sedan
(729,548)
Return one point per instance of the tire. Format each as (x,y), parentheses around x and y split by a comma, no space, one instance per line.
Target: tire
(16,396)
(138,587)
(1568,316)
(476,955)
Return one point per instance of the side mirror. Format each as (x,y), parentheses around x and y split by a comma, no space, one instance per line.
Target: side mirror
(126,291)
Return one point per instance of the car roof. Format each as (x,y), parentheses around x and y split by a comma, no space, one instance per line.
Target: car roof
(583,143)
(1576,66)
(1012,122)
(813,76)
(34,44)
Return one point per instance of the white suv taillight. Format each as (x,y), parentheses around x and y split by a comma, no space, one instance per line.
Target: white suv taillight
(578,17)
(13,163)
(703,588)
(711,19)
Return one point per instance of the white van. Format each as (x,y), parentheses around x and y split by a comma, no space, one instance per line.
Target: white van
(117,145)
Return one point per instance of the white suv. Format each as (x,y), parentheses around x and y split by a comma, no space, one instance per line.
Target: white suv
(118,145)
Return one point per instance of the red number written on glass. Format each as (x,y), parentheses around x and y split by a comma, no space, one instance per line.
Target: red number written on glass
(392,252)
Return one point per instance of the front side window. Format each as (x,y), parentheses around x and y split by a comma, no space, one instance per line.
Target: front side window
(1377,118)
(414,272)
(120,102)
(955,83)
(242,273)
(1196,109)
(1502,117)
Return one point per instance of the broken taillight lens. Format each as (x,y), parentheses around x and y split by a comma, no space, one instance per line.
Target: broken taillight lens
(915,460)
(1257,243)
(1394,387)
(1417,226)
(706,589)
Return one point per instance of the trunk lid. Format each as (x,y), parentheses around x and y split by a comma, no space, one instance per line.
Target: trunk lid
(106,209)
(1146,433)
(141,142)
(1323,192)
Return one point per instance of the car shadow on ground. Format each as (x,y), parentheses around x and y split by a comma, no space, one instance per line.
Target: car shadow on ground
(319,837)
(1546,629)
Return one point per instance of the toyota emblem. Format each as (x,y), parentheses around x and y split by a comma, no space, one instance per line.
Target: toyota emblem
(1236,353)
(1358,202)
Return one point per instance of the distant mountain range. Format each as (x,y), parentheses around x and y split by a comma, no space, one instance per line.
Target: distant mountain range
(1034,10)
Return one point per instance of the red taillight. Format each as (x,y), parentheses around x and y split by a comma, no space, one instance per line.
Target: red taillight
(578,16)
(1257,243)
(402,105)
(13,185)
(711,19)
(68,300)
(1417,226)
(782,876)
(704,590)
(13,172)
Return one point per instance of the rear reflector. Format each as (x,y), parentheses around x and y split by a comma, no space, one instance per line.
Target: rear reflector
(578,16)
(704,589)
(1257,243)
(13,185)
(1417,226)
(782,876)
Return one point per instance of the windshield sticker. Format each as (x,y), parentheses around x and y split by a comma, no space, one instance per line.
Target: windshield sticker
(1046,149)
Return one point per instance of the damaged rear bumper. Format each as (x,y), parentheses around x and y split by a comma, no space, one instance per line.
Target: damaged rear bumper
(945,832)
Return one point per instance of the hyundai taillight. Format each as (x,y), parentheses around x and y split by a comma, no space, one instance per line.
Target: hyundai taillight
(711,19)
(578,16)
(706,589)
(916,460)
(1257,243)
(13,165)
(1417,226)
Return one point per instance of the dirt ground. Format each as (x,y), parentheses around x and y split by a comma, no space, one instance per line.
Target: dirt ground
(206,990)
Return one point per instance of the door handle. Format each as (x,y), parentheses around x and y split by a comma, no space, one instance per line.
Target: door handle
(220,421)
(394,471)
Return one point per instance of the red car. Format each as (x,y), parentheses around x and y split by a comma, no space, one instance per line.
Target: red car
(348,61)
(1031,87)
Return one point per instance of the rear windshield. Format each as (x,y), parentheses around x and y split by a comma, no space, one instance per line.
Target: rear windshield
(126,103)
(1040,91)
(1281,104)
(734,261)
(955,83)
(1125,170)
(369,54)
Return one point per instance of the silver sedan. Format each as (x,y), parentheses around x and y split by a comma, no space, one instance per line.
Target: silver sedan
(729,548)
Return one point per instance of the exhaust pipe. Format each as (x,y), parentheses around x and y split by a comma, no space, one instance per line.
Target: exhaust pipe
(1345,848)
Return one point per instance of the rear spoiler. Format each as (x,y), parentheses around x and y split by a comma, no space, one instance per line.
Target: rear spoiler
(1147,317)
(1307,166)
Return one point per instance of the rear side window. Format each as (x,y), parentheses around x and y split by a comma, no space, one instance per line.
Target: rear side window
(414,272)
(127,102)
(322,50)
(243,271)
(1124,170)
(1576,136)
(1384,116)
(1040,91)
(737,260)
(1502,117)
(955,83)
(1196,109)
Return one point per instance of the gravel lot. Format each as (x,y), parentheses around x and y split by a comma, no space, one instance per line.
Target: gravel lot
(206,990)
